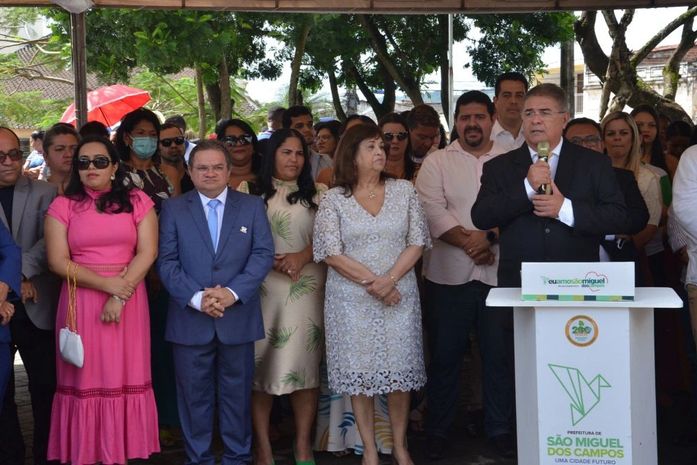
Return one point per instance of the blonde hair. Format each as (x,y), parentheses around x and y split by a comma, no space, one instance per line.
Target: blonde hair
(633,160)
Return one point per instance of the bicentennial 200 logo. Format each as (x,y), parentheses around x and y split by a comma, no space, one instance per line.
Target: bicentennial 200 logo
(581,330)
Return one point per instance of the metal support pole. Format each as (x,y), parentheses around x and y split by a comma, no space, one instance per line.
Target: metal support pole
(451,102)
(79,51)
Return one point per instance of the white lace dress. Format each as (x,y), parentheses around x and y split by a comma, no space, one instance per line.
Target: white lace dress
(371,348)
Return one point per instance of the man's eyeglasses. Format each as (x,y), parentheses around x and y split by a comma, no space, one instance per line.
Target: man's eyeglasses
(545,113)
(14,155)
(172,140)
(100,162)
(389,136)
(588,140)
(231,141)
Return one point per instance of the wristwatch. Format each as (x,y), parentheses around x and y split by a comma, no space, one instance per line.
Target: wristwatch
(492,237)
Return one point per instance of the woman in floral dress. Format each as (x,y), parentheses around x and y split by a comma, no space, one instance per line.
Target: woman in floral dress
(287,360)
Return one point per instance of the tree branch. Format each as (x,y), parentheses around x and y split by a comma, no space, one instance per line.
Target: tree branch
(593,54)
(378,43)
(671,70)
(643,52)
(352,71)
(611,21)
(35,74)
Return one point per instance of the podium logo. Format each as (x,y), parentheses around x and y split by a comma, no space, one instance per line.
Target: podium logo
(593,281)
(581,330)
(584,395)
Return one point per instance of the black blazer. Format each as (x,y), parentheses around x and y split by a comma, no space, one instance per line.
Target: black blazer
(583,176)
(637,212)
(637,217)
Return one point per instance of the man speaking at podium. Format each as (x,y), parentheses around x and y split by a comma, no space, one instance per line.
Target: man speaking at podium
(556,210)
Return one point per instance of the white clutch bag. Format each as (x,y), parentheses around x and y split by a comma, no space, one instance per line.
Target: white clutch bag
(70,344)
(69,341)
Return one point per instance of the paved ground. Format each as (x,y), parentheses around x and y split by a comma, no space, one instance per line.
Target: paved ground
(463,449)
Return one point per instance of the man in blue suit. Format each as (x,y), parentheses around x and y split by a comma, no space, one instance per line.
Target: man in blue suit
(215,251)
(10,277)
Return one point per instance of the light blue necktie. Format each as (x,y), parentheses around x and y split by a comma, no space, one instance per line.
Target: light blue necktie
(213,221)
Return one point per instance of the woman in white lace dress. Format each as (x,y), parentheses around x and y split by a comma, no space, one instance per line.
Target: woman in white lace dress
(371,230)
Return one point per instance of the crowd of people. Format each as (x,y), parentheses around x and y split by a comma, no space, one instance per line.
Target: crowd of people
(344,265)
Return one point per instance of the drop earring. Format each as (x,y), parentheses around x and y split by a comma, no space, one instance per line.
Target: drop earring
(113,176)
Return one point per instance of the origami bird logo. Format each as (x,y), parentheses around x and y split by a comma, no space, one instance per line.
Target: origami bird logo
(584,395)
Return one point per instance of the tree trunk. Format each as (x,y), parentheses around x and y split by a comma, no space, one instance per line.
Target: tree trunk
(390,93)
(377,42)
(388,101)
(300,42)
(444,66)
(224,80)
(336,98)
(568,75)
(213,91)
(201,103)
(617,73)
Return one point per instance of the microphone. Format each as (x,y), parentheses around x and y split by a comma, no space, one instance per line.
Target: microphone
(543,154)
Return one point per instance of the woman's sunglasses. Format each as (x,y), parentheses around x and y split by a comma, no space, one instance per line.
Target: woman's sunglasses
(172,140)
(244,139)
(389,136)
(100,162)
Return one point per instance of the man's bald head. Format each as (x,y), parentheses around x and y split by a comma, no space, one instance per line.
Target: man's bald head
(10,133)
(10,170)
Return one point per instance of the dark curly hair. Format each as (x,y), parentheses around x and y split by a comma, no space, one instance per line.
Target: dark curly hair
(117,200)
(128,123)
(306,184)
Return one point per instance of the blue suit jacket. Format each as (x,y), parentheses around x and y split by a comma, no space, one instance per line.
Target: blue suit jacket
(10,271)
(187,263)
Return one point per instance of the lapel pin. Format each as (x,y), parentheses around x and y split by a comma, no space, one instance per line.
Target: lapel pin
(243,230)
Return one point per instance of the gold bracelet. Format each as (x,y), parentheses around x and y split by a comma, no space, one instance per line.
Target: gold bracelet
(394,280)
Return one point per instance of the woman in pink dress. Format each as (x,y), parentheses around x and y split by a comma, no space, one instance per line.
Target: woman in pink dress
(105,411)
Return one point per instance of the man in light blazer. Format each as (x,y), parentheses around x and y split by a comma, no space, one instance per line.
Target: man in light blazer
(10,272)
(216,249)
(24,203)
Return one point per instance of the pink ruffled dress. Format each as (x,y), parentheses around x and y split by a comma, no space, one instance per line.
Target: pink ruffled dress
(105,411)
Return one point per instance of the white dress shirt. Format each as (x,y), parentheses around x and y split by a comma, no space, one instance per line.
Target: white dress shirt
(504,139)
(566,212)
(684,201)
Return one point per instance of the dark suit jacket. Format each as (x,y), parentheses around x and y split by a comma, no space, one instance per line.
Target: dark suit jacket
(10,271)
(583,176)
(187,263)
(637,213)
(31,200)
(637,217)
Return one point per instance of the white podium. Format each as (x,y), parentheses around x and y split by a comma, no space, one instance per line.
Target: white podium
(585,386)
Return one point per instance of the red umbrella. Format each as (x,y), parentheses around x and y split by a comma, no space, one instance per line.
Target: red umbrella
(109,104)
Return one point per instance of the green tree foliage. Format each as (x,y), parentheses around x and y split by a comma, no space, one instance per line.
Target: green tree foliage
(516,42)
(223,45)
(380,53)
(29,109)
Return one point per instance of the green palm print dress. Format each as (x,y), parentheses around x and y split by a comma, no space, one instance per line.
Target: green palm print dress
(288,358)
